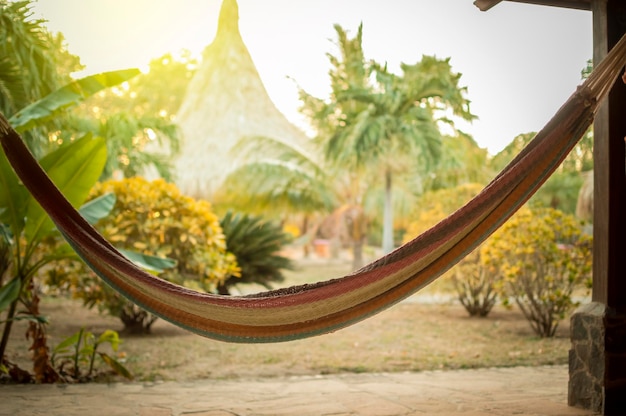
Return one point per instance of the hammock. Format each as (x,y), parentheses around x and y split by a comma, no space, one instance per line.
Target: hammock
(308,310)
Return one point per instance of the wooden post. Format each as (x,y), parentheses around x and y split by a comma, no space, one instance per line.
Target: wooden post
(597,362)
(609,269)
(609,273)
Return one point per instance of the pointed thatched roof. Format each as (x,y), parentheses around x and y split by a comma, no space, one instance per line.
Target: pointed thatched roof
(226,100)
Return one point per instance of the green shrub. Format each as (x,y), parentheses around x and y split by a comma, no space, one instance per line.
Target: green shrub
(542,257)
(153,218)
(476,288)
(75,356)
(256,243)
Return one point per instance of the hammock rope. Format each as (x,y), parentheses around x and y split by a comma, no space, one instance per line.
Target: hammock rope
(314,309)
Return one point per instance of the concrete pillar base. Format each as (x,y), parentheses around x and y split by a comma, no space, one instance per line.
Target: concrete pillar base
(597,360)
(586,357)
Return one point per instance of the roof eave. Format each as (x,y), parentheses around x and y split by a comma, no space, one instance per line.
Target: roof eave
(485,5)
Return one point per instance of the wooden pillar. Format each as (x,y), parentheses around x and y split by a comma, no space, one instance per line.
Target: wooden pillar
(610,287)
(609,273)
(607,352)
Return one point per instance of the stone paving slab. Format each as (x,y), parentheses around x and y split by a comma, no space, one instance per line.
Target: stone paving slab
(526,391)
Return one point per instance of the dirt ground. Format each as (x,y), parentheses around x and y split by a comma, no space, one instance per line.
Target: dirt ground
(428,331)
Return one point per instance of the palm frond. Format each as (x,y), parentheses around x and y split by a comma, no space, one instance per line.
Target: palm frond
(256,243)
(275,183)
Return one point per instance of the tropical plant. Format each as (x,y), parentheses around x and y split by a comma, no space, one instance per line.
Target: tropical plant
(543,257)
(33,63)
(377,120)
(80,350)
(74,167)
(137,119)
(275,176)
(256,243)
(290,180)
(132,143)
(154,219)
(27,68)
(561,190)
(337,173)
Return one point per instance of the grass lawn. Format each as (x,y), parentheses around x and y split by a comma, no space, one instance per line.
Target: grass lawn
(417,334)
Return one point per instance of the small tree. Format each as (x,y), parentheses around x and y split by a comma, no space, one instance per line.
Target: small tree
(543,256)
(474,285)
(154,219)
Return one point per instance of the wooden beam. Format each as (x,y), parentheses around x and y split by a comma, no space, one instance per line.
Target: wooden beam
(485,5)
(569,4)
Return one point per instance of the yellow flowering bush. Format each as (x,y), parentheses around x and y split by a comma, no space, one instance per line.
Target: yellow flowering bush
(474,286)
(154,218)
(434,206)
(542,257)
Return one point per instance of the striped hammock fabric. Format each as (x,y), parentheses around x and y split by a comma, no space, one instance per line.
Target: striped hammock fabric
(308,310)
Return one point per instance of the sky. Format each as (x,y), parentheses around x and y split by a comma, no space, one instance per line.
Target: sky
(519,62)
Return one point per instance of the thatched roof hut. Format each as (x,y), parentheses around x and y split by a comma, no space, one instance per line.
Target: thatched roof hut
(225,101)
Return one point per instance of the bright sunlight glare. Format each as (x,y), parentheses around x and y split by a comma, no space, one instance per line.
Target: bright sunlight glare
(519,61)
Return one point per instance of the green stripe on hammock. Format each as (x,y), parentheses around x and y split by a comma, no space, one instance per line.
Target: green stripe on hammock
(308,310)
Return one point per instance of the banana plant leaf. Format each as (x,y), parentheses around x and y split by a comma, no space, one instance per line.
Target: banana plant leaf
(74,169)
(149,263)
(13,197)
(67,96)
(98,208)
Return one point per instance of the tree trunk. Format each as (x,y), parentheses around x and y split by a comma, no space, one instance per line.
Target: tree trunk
(135,319)
(388,216)
(306,247)
(222,289)
(357,254)
(356,224)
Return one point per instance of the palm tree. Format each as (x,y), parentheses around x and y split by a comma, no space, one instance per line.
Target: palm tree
(278,180)
(273,175)
(383,137)
(378,121)
(374,122)
(33,63)
(27,70)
